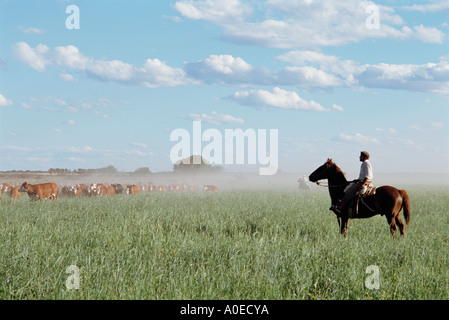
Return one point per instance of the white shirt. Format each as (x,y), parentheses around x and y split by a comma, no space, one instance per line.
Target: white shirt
(366,171)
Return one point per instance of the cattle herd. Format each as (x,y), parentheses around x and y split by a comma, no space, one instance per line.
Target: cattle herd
(51,191)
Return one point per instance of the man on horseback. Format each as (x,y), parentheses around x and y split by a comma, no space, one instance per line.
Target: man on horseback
(364,180)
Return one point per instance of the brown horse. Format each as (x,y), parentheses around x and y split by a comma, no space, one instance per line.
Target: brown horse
(387,200)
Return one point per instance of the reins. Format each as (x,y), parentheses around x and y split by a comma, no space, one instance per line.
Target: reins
(329,186)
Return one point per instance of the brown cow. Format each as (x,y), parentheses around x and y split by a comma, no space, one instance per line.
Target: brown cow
(15,194)
(40,191)
(210,188)
(76,190)
(6,188)
(85,191)
(133,189)
(111,191)
(98,189)
(118,188)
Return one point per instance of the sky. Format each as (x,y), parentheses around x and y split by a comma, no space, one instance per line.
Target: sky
(88,84)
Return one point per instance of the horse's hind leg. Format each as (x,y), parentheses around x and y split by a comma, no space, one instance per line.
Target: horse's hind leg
(400,224)
(392,222)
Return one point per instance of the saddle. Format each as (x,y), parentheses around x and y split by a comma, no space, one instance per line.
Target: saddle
(367,191)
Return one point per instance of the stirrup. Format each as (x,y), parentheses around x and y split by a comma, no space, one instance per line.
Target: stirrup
(335,209)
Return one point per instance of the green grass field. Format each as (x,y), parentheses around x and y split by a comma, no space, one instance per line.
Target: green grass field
(229,245)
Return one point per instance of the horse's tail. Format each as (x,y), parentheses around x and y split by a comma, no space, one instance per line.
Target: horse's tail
(405,206)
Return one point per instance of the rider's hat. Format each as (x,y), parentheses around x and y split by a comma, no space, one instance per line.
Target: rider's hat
(365,153)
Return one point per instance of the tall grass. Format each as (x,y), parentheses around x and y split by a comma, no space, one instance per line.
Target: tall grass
(230,245)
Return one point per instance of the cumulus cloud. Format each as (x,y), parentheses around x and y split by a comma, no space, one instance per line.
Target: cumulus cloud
(37,58)
(154,73)
(218,11)
(226,69)
(302,24)
(308,70)
(278,98)
(334,72)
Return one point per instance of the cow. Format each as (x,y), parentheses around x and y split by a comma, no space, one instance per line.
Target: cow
(76,190)
(15,194)
(111,191)
(98,189)
(132,189)
(40,191)
(85,191)
(65,191)
(210,188)
(5,187)
(118,188)
(152,188)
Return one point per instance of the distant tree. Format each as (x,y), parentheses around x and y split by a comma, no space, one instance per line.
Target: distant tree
(107,170)
(143,170)
(194,164)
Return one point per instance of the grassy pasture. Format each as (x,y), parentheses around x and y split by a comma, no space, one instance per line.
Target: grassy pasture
(230,245)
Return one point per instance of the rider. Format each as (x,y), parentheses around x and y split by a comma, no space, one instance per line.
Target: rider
(364,180)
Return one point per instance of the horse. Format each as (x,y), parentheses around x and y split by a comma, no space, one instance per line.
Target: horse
(387,200)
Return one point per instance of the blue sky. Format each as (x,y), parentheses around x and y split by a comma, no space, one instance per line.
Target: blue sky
(112,91)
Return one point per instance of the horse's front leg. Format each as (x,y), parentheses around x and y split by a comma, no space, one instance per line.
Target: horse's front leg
(344,221)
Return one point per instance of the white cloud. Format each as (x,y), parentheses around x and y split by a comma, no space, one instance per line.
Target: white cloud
(300,58)
(337,107)
(310,70)
(331,71)
(215,118)
(301,24)
(389,130)
(26,106)
(31,30)
(433,126)
(139,144)
(227,69)
(431,7)
(67,77)
(429,77)
(429,34)
(153,74)
(278,98)
(4,102)
(37,58)
(358,138)
(137,153)
(217,11)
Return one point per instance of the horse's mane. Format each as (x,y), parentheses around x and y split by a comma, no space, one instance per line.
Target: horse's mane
(330,163)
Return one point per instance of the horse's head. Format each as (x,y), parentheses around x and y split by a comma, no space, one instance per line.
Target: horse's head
(323,171)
